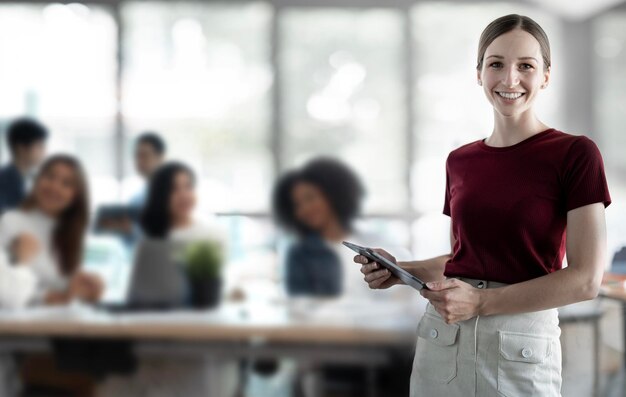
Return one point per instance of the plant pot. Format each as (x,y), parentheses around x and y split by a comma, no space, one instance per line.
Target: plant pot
(205,293)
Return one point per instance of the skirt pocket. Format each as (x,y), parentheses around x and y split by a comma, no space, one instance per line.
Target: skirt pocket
(436,350)
(524,364)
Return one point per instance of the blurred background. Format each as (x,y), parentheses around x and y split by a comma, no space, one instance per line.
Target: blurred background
(246,90)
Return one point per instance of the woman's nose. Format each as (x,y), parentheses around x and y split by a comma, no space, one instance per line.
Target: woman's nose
(511,78)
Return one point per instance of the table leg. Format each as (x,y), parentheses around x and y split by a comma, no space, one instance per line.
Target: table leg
(596,358)
(312,381)
(370,374)
(624,332)
(8,375)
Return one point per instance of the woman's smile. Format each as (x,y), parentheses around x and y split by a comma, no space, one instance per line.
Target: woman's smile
(509,96)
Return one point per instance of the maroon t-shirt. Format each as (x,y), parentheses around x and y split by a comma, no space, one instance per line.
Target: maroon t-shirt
(508,205)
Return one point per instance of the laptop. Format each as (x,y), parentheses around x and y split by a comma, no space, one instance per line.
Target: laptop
(157,280)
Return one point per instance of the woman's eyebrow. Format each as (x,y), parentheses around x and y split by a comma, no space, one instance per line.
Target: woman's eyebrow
(520,58)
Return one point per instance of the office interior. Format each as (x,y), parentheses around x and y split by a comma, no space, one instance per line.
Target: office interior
(244,91)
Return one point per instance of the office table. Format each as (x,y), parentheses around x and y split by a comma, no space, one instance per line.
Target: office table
(312,333)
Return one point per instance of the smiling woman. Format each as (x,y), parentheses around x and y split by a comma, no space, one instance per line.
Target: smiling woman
(491,326)
(44,240)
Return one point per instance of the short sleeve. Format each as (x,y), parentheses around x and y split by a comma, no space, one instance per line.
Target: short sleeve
(584,180)
(446,203)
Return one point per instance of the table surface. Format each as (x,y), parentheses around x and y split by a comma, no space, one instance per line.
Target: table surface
(297,322)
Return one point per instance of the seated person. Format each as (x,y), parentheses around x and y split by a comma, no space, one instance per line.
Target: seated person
(42,241)
(41,245)
(150,150)
(122,220)
(26,139)
(169,208)
(319,204)
(169,215)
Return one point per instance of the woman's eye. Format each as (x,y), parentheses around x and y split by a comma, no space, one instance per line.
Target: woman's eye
(496,65)
(526,66)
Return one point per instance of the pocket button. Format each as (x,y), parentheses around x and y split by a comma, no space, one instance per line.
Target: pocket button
(527,352)
(433,333)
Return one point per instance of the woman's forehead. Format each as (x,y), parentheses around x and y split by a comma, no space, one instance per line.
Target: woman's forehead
(514,44)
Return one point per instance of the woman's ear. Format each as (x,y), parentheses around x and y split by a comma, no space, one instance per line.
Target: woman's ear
(546,77)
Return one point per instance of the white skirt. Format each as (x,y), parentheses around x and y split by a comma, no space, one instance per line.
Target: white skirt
(502,355)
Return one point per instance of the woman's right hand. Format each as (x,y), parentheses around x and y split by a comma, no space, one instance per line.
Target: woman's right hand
(25,247)
(376,275)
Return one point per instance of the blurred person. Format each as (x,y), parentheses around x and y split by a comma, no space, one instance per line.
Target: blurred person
(42,245)
(518,200)
(168,215)
(319,205)
(26,139)
(170,204)
(150,151)
(43,240)
(122,220)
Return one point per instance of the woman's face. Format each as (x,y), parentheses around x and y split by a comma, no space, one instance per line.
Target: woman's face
(56,189)
(513,72)
(183,198)
(311,206)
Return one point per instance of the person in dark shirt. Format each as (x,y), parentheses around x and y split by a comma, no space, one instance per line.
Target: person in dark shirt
(26,139)
(318,204)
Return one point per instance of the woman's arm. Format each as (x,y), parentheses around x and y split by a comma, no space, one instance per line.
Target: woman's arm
(17,284)
(87,287)
(426,270)
(586,256)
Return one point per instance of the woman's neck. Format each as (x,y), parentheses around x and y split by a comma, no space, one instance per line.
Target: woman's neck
(334,232)
(182,223)
(510,130)
(48,213)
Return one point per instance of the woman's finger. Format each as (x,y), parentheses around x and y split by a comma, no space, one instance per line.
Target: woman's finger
(378,282)
(370,267)
(361,259)
(376,275)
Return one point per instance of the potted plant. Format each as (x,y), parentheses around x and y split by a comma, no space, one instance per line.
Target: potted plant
(203,263)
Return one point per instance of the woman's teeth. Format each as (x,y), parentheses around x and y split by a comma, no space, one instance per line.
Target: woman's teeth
(510,95)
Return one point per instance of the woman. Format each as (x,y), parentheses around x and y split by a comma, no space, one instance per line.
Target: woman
(169,215)
(43,240)
(44,243)
(319,204)
(491,327)
(170,205)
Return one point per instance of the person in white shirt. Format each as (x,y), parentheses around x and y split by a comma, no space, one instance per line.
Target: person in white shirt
(169,215)
(170,206)
(41,249)
(42,241)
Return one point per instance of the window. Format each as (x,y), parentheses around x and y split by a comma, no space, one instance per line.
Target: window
(609,45)
(343,95)
(199,74)
(57,63)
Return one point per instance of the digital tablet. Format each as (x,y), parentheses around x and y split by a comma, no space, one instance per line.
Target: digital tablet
(396,270)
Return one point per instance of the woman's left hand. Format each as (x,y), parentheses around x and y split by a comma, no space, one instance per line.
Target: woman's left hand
(453,299)
(88,287)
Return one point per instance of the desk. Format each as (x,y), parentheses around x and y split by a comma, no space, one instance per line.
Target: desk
(312,333)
